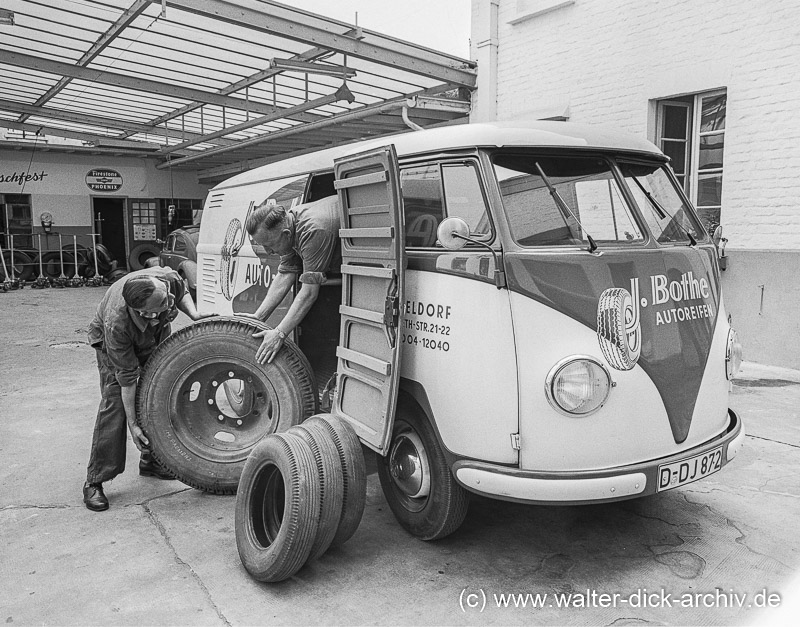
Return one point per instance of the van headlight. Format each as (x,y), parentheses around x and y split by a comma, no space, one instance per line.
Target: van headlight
(733,355)
(578,385)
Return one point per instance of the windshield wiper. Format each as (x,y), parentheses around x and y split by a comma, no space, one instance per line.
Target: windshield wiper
(564,207)
(662,213)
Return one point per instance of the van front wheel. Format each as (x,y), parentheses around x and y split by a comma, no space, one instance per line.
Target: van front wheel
(416,480)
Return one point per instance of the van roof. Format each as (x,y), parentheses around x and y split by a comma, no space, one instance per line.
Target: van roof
(493,134)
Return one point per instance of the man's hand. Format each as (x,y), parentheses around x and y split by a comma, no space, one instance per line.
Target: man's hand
(139,439)
(271,343)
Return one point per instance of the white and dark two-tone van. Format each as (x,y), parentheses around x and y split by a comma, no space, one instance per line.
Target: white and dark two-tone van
(529,312)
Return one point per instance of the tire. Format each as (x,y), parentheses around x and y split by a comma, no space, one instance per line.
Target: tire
(275,518)
(104,259)
(618,330)
(326,457)
(140,254)
(416,479)
(354,474)
(114,275)
(205,444)
(23,265)
(51,264)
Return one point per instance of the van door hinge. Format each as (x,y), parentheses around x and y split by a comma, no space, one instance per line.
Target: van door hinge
(515,441)
(391,311)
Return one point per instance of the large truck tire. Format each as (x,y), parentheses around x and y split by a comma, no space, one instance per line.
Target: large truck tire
(326,456)
(204,401)
(420,489)
(275,519)
(354,471)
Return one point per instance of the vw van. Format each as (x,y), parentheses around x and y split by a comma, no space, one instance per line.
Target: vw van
(526,311)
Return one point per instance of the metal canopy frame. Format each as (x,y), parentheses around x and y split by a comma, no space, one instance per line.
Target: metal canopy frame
(214,86)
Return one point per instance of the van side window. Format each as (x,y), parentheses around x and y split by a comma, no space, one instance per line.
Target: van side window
(320,186)
(289,193)
(433,192)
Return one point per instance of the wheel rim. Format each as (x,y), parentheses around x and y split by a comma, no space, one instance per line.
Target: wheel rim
(409,469)
(220,408)
(266,505)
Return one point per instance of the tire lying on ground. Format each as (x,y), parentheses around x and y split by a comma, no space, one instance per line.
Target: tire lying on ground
(204,402)
(277,506)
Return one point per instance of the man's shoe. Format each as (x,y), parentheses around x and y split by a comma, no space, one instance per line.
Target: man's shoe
(149,468)
(94,498)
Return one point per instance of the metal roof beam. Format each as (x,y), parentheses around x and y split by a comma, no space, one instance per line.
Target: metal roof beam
(49,66)
(306,28)
(356,114)
(93,120)
(308,55)
(86,137)
(130,14)
(341,94)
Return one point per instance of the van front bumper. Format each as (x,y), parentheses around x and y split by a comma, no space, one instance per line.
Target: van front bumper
(589,486)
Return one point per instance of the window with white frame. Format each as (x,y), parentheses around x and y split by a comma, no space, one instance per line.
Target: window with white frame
(691,132)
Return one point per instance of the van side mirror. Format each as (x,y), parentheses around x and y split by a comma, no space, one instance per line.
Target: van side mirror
(719,243)
(453,233)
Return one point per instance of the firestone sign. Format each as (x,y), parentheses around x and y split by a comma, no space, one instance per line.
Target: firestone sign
(102,180)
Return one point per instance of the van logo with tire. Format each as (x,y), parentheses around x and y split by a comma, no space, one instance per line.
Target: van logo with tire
(619,326)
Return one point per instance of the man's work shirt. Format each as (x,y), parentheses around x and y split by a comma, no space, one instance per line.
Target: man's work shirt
(126,337)
(315,241)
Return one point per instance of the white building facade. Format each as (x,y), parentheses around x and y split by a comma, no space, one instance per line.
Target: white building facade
(714,83)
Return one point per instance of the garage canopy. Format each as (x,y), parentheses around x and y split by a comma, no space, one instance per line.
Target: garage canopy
(213,86)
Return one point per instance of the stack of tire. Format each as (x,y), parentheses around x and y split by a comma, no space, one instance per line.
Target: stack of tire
(301,492)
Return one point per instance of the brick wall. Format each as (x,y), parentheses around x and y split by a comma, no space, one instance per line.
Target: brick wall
(605,61)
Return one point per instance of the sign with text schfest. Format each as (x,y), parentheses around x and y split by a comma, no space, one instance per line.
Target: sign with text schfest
(103,180)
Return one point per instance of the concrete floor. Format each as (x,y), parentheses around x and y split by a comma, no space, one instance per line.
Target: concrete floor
(165,554)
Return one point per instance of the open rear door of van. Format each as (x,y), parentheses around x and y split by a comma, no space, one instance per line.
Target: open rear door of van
(373,269)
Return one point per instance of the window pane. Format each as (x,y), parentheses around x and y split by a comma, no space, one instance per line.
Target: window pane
(422,204)
(712,117)
(710,217)
(588,188)
(676,151)
(674,122)
(463,196)
(660,203)
(711,151)
(709,190)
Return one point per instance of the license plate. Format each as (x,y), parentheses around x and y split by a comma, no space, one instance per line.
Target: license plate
(688,470)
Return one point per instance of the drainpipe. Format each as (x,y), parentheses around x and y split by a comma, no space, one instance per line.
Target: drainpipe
(485,38)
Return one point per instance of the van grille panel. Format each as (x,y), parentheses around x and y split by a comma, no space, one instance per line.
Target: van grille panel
(208,279)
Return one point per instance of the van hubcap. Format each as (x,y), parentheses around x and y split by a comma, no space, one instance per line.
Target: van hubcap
(408,465)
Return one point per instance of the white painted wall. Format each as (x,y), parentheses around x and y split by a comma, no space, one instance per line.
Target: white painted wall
(63,192)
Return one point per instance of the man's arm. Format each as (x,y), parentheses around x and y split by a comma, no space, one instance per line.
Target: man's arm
(271,339)
(129,403)
(278,289)
(187,306)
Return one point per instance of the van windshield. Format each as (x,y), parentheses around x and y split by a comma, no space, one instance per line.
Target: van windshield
(588,188)
(667,217)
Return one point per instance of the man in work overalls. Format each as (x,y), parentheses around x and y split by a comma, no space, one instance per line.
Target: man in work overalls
(132,319)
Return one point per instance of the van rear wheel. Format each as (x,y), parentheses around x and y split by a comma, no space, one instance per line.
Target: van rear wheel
(204,402)
(416,480)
